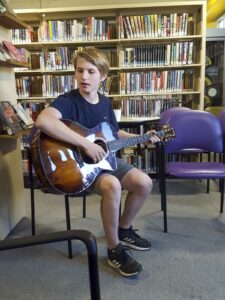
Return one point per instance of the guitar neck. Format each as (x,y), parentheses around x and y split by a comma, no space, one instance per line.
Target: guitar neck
(116,145)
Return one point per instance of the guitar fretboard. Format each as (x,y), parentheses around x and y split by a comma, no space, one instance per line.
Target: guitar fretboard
(116,145)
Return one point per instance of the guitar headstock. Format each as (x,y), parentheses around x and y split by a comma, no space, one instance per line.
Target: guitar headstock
(167,133)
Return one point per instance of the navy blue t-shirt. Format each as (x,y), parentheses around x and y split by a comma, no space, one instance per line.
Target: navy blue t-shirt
(74,107)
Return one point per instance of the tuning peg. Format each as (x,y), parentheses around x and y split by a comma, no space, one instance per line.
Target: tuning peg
(165,127)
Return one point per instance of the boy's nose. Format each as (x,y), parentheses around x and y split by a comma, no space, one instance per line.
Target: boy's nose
(85,74)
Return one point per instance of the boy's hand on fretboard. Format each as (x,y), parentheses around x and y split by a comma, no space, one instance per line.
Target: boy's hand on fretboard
(154,138)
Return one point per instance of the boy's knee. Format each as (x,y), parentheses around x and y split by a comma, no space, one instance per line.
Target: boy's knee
(145,184)
(111,185)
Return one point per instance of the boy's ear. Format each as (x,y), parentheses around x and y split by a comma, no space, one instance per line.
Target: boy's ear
(103,77)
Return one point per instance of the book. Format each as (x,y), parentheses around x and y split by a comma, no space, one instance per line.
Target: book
(4,56)
(13,52)
(121,27)
(10,121)
(24,115)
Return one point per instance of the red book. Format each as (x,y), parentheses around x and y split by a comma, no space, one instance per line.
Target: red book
(9,120)
(13,52)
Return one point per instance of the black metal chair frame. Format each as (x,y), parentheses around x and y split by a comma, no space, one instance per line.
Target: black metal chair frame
(66,197)
(83,235)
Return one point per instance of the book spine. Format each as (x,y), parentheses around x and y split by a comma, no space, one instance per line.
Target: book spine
(121,27)
(129,27)
(3,121)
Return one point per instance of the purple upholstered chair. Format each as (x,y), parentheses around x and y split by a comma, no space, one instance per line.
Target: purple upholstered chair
(194,129)
(165,119)
(222,120)
(168,113)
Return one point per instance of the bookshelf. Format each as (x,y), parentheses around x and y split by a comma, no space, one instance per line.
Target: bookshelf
(11,21)
(156,50)
(13,64)
(12,205)
(215,67)
(143,157)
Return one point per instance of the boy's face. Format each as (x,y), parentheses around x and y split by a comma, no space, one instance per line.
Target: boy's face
(88,76)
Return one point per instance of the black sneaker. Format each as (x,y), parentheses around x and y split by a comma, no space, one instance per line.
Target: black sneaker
(119,259)
(131,239)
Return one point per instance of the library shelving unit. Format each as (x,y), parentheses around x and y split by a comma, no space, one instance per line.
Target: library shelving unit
(215,67)
(156,50)
(12,205)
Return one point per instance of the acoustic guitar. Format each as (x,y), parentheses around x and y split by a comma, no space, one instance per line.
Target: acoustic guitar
(63,168)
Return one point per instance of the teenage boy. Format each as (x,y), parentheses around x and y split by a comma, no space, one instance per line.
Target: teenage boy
(89,108)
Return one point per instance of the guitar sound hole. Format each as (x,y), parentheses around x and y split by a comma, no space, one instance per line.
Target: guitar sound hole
(88,159)
(102,144)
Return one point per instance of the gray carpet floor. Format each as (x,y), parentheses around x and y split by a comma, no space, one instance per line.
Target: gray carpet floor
(186,263)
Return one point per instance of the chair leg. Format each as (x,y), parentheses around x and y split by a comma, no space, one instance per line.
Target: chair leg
(221,195)
(164,204)
(33,228)
(207,186)
(208,182)
(84,204)
(83,235)
(31,179)
(162,184)
(68,225)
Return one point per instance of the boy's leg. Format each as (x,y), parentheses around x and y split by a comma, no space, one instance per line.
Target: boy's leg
(139,186)
(109,188)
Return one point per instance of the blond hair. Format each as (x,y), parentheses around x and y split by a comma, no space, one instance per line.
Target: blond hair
(95,57)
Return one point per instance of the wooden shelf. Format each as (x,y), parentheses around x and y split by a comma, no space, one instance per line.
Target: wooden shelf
(53,45)
(164,67)
(106,9)
(11,63)
(15,136)
(138,120)
(38,71)
(44,44)
(12,203)
(10,21)
(33,98)
(58,72)
(186,92)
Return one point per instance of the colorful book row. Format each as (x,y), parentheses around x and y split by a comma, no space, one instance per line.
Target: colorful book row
(154,81)
(180,53)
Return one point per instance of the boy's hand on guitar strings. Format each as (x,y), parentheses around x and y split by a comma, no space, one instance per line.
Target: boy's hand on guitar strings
(95,152)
